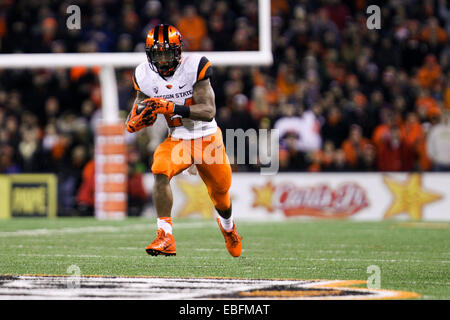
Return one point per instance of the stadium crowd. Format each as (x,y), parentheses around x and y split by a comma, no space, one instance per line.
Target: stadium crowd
(343,97)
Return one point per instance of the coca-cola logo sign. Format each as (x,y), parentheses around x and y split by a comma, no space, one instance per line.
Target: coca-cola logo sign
(317,201)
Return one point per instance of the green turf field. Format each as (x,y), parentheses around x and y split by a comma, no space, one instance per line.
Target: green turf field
(412,256)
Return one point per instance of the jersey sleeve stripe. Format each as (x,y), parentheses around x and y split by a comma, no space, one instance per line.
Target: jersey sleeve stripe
(136,87)
(202,73)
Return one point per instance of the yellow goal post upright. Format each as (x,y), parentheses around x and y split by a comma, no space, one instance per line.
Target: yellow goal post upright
(110,149)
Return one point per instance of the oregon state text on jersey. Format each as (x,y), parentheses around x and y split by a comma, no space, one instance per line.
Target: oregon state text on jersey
(179,89)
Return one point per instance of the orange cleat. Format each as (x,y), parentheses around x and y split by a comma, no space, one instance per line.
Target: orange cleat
(232,240)
(164,244)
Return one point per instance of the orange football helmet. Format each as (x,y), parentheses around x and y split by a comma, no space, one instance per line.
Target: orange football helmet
(163,48)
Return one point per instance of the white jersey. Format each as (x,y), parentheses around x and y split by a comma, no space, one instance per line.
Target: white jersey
(179,89)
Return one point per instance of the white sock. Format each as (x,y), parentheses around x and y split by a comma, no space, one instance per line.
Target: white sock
(166,226)
(227,224)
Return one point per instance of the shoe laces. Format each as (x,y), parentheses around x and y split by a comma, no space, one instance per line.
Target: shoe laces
(159,235)
(235,238)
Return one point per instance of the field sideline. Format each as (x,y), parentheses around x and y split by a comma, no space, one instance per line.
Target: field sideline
(412,256)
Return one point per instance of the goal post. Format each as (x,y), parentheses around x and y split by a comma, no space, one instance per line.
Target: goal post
(110,133)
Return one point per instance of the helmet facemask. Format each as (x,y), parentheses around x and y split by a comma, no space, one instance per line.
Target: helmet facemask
(164,58)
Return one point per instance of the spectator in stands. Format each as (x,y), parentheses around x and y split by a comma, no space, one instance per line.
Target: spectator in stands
(322,160)
(31,158)
(11,125)
(429,73)
(425,104)
(335,128)
(218,32)
(340,163)
(414,136)
(291,159)
(287,80)
(393,153)
(433,33)
(438,144)
(85,195)
(7,162)
(382,130)
(367,160)
(338,12)
(241,118)
(193,28)
(353,147)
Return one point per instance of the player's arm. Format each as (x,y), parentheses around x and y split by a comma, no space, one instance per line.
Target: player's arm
(204,108)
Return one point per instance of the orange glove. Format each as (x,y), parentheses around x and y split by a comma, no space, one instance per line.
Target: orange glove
(137,121)
(160,105)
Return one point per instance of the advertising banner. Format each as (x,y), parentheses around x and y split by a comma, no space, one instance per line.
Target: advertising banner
(28,195)
(356,196)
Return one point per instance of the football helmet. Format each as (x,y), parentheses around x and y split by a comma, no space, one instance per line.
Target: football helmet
(163,48)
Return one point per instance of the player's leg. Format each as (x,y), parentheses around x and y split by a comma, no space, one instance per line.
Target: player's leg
(164,168)
(217,178)
(162,197)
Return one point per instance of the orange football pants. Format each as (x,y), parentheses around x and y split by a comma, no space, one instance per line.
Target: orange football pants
(208,154)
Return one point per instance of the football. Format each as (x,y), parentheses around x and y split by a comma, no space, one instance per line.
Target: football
(140,107)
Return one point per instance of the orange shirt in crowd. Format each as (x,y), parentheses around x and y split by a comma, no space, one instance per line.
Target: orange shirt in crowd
(279,7)
(429,32)
(427,76)
(314,167)
(351,153)
(427,103)
(379,133)
(414,137)
(193,31)
(447,97)
(316,160)
(285,87)
(412,133)
(78,71)
(86,191)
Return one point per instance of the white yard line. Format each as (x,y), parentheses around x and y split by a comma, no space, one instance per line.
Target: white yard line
(93,229)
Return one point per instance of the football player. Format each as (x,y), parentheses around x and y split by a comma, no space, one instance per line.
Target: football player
(178,86)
